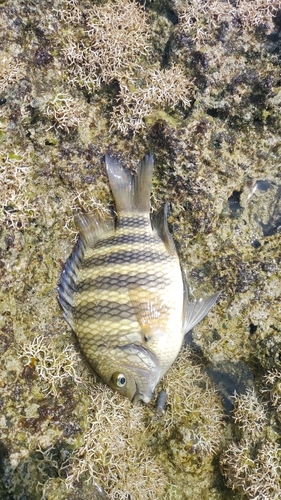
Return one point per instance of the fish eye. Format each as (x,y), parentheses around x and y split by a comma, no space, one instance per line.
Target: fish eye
(119,379)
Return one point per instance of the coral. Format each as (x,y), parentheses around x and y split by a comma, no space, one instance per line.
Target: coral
(189,433)
(218,38)
(111,53)
(14,180)
(250,414)
(53,367)
(254,13)
(201,19)
(115,38)
(255,472)
(195,407)
(12,70)
(252,465)
(272,381)
(70,11)
(223,57)
(160,89)
(115,431)
(66,111)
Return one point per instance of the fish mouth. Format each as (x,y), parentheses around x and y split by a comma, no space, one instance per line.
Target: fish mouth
(140,396)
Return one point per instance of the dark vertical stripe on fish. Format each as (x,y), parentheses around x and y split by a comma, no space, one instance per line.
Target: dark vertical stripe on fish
(117,281)
(126,257)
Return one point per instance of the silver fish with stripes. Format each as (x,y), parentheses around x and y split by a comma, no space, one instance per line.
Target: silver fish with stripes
(122,289)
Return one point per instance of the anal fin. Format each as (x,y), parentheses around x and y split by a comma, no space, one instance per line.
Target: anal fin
(196,310)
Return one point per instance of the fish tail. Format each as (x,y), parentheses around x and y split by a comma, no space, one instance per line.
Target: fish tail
(131,191)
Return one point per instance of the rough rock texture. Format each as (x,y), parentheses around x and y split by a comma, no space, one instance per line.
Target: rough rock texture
(197,83)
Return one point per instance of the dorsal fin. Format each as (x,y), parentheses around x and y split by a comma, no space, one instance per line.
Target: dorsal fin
(91,228)
(131,191)
(160,224)
(67,282)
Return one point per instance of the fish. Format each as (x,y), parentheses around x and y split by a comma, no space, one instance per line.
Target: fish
(123,291)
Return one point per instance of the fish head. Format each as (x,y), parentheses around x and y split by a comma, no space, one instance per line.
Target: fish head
(132,384)
(133,372)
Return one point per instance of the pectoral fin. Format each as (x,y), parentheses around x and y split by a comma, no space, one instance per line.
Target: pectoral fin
(149,313)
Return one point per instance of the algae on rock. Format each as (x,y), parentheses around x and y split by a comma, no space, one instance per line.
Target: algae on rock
(199,87)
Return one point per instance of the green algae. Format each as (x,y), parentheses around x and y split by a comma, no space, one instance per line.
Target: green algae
(52,164)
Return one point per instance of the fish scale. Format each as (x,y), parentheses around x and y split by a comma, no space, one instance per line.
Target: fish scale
(115,281)
(122,289)
(131,262)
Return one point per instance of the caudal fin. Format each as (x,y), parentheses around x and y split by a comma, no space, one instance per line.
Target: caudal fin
(131,191)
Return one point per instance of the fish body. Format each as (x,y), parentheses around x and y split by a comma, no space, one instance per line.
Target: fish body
(123,292)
